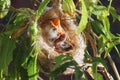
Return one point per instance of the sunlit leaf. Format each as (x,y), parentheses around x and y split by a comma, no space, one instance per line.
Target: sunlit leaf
(94,1)
(19,18)
(69,7)
(84,18)
(90,3)
(4,8)
(97,76)
(32,69)
(97,10)
(101,12)
(27,12)
(41,8)
(114,14)
(112,44)
(106,25)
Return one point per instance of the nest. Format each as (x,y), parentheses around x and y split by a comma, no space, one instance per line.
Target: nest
(58,39)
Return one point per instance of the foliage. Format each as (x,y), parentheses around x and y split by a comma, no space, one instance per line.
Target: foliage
(6,49)
(20,49)
(69,7)
(84,17)
(4,7)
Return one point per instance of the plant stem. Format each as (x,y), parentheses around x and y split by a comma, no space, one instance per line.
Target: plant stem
(114,67)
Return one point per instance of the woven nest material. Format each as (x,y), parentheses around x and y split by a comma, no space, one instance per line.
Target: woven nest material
(53,37)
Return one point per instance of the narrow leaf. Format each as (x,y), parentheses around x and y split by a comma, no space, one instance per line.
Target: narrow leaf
(100,60)
(106,24)
(32,70)
(97,27)
(114,14)
(41,8)
(59,70)
(78,74)
(69,7)
(61,60)
(84,18)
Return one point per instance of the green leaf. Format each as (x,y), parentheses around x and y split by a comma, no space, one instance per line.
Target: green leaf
(22,52)
(27,12)
(97,10)
(4,8)
(90,3)
(106,25)
(84,18)
(19,19)
(13,74)
(41,8)
(117,50)
(32,68)
(100,60)
(112,44)
(61,60)
(97,76)
(94,67)
(97,27)
(59,70)
(100,11)
(34,30)
(69,7)
(94,1)
(78,74)
(110,3)
(114,14)
(23,74)
(7,46)
(106,44)
(101,44)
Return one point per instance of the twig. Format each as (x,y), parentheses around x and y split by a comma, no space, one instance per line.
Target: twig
(114,67)
(93,33)
(95,54)
(40,78)
(78,11)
